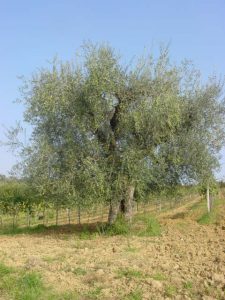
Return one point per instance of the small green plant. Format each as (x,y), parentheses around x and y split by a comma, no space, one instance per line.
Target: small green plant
(29,287)
(16,284)
(201,215)
(151,225)
(86,234)
(79,271)
(65,296)
(188,285)
(120,227)
(131,249)
(197,205)
(207,218)
(134,295)
(94,293)
(101,228)
(159,276)
(4,270)
(129,273)
(170,290)
(49,259)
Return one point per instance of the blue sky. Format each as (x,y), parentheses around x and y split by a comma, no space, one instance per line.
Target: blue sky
(33,32)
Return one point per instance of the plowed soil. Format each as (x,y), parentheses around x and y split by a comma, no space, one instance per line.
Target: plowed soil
(186,262)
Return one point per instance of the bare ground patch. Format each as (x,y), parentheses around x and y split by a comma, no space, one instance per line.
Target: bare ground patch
(186,262)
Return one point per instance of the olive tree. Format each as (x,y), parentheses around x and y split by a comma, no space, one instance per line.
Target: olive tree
(103,130)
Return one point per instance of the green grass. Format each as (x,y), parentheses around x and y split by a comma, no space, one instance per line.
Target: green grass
(120,227)
(10,230)
(158,276)
(94,293)
(29,287)
(197,205)
(131,249)
(79,271)
(170,291)
(214,216)
(88,233)
(57,258)
(150,225)
(206,218)
(183,226)
(20,285)
(199,213)
(129,273)
(64,296)
(49,259)
(134,295)
(142,225)
(17,284)
(4,270)
(188,285)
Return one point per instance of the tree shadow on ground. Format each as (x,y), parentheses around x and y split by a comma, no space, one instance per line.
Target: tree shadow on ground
(87,229)
(180,215)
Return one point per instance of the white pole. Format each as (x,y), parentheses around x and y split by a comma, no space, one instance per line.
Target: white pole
(208,199)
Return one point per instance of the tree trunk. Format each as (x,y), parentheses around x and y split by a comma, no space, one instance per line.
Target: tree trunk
(125,206)
(128,207)
(113,212)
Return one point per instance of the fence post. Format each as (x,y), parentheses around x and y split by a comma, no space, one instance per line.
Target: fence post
(14,217)
(57,216)
(160,205)
(102,213)
(88,216)
(68,215)
(79,215)
(137,206)
(44,216)
(28,218)
(208,199)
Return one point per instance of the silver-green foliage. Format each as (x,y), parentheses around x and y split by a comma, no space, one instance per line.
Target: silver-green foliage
(100,126)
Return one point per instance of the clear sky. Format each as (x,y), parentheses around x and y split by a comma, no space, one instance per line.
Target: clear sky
(33,32)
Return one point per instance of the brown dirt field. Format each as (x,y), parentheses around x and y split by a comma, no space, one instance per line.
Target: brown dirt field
(186,262)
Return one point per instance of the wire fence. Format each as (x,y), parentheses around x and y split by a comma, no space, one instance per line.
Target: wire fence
(95,214)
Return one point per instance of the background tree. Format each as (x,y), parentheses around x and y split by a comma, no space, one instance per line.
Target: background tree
(16,197)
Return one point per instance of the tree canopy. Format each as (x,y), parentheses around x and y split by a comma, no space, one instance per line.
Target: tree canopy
(104,131)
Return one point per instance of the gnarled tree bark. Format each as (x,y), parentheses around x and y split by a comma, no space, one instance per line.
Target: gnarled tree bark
(128,207)
(113,212)
(124,206)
